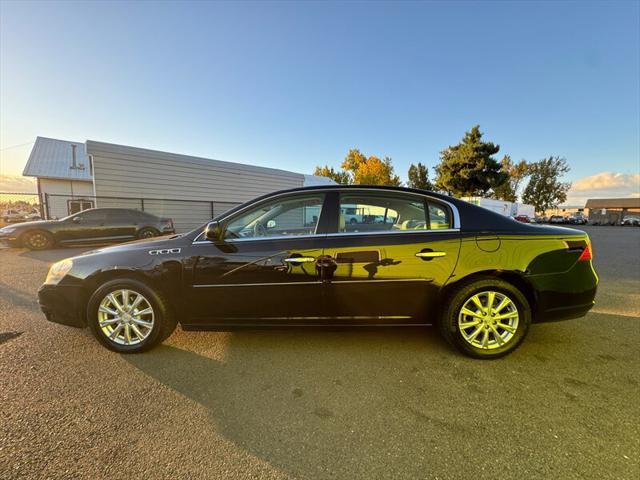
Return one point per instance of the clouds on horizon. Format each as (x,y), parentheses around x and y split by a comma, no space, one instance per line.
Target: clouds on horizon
(17,184)
(604,185)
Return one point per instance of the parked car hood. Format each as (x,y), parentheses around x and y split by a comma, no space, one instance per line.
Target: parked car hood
(34,223)
(143,244)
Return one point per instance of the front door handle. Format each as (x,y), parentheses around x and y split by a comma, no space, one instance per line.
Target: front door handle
(430,254)
(300,259)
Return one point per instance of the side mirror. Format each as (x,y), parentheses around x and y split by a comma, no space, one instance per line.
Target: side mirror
(75,219)
(271,224)
(214,231)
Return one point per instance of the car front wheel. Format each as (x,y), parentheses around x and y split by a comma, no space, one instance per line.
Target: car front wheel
(487,318)
(38,240)
(127,316)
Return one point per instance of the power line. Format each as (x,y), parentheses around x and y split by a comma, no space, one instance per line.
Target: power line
(16,146)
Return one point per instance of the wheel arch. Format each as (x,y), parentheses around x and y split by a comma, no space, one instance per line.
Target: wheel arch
(517,279)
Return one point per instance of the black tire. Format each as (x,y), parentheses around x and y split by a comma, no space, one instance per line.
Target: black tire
(164,321)
(38,240)
(148,232)
(460,295)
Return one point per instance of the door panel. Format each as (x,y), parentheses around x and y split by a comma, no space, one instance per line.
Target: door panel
(379,278)
(256,282)
(88,226)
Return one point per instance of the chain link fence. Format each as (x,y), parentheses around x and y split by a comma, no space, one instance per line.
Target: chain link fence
(186,214)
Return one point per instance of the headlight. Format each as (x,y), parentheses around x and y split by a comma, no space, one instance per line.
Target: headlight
(58,270)
(8,229)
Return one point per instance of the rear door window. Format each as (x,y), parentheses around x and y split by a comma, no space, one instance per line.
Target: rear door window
(373,212)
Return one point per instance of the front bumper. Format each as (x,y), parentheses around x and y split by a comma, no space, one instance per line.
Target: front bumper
(9,240)
(64,304)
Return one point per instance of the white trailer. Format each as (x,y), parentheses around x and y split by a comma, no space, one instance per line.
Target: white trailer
(503,207)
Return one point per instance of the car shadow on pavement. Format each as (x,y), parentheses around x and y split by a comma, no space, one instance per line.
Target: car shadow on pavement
(318,404)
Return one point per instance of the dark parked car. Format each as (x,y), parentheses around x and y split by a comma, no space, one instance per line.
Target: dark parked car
(292,259)
(94,226)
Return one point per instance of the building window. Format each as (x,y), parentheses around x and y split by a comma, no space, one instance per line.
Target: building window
(75,206)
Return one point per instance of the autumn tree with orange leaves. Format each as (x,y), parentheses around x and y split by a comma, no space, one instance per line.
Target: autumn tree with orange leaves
(362,170)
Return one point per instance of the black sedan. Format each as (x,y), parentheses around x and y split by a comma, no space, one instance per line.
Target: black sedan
(94,226)
(292,259)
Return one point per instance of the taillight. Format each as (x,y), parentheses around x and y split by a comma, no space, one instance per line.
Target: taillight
(586,253)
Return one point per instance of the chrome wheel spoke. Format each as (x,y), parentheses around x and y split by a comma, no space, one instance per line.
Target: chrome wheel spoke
(137,331)
(476,299)
(508,328)
(485,338)
(109,321)
(114,302)
(491,297)
(136,302)
(505,316)
(497,336)
(104,309)
(505,301)
(127,333)
(144,323)
(471,313)
(146,311)
(475,333)
(116,331)
(125,299)
(470,324)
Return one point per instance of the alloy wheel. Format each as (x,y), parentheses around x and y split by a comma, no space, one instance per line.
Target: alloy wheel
(37,240)
(488,320)
(125,317)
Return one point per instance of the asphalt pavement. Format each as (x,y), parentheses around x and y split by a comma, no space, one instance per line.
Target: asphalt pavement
(323,404)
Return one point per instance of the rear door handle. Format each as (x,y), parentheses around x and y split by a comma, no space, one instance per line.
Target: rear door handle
(300,259)
(430,254)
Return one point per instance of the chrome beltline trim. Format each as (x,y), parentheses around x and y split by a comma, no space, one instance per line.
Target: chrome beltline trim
(317,282)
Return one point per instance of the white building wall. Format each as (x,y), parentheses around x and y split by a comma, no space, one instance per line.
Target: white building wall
(60,191)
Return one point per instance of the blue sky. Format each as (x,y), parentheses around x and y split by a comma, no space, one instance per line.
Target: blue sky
(294,85)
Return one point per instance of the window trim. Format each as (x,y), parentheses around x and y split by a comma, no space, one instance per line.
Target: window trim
(333,193)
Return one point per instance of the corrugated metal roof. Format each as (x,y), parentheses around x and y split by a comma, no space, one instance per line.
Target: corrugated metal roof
(315,180)
(629,202)
(52,158)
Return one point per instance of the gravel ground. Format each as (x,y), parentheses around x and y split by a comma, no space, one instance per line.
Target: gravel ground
(299,404)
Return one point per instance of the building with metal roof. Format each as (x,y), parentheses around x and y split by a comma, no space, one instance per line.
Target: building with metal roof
(611,211)
(73,176)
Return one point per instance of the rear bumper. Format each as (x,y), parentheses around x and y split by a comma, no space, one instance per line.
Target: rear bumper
(566,295)
(64,304)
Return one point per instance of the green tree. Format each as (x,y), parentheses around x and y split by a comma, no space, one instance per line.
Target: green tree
(340,177)
(516,173)
(545,190)
(419,177)
(468,169)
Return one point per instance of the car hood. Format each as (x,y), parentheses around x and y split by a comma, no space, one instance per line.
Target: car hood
(144,244)
(34,223)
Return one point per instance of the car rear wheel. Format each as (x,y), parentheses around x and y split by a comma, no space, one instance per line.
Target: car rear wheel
(148,233)
(127,316)
(37,240)
(487,318)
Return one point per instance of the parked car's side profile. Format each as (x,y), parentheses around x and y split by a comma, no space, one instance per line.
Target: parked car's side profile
(630,221)
(93,226)
(480,276)
(559,219)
